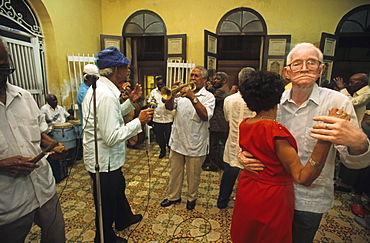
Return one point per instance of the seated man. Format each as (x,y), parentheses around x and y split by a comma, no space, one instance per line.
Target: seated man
(54,113)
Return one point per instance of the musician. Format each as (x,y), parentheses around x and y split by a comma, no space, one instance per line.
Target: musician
(27,189)
(162,119)
(189,137)
(90,73)
(54,113)
(112,133)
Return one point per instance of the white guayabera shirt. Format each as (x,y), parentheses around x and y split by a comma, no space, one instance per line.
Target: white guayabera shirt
(317,198)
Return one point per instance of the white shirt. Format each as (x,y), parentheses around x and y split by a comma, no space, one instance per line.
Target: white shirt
(21,125)
(318,197)
(112,132)
(56,116)
(190,134)
(161,114)
(359,100)
(235,110)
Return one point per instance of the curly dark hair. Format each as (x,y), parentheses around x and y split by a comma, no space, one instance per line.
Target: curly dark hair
(262,90)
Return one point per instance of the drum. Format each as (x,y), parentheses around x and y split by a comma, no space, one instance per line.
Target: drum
(78,131)
(64,133)
(77,128)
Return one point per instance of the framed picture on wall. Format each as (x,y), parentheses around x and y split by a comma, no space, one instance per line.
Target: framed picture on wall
(277,47)
(275,65)
(111,40)
(212,63)
(329,47)
(326,74)
(212,44)
(174,46)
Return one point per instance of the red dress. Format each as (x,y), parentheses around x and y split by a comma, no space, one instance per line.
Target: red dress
(264,205)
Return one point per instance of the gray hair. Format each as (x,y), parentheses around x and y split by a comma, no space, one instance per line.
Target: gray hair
(203,71)
(106,72)
(305,45)
(245,73)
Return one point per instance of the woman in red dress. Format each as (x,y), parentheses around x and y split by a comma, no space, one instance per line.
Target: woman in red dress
(264,205)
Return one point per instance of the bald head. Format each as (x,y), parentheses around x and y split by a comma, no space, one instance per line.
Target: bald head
(52,100)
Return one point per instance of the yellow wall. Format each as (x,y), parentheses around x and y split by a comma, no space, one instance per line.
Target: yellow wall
(74,26)
(69,26)
(304,20)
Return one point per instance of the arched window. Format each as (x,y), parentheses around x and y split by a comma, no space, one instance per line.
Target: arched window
(242,21)
(355,21)
(144,23)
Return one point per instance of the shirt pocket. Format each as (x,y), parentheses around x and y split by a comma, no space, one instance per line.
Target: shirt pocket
(31,130)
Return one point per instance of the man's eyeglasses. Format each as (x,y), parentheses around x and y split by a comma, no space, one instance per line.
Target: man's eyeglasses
(311,65)
(9,70)
(6,71)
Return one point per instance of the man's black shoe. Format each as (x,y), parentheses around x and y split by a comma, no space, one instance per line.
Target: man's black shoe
(135,219)
(166,202)
(121,240)
(209,168)
(162,154)
(341,189)
(190,205)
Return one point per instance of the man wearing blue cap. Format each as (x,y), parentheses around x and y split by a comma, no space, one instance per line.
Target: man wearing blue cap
(112,133)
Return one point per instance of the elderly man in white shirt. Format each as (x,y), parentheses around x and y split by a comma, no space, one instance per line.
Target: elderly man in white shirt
(189,137)
(112,133)
(235,109)
(162,118)
(303,111)
(27,189)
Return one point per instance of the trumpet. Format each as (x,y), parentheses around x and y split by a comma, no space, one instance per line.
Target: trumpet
(167,93)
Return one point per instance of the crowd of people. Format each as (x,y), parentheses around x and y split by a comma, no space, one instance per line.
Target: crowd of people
(281,143)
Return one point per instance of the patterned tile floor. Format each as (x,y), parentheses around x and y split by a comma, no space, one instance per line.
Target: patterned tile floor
(147,178)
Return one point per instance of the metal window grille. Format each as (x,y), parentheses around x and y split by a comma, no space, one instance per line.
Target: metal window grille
(76,65)
(178,70)
(26,58)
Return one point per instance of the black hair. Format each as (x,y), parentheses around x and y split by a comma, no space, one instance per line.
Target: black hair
(157,78)
(262,90)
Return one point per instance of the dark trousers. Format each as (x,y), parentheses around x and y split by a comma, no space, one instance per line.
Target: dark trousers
(227,183)
(305,225)
(162,133)
(49,218)
(362,181)
(217,142)
(115,206)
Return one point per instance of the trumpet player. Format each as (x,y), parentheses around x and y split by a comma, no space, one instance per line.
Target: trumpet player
(189,137)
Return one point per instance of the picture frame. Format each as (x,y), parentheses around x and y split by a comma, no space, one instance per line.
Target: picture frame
(277,47)
(111,40)
(174,46)
(329,47)
(275,65)
(211,63)
(326,74)
(212,44)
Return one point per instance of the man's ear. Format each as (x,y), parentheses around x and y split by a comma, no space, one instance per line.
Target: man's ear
(322,68)
(286,72)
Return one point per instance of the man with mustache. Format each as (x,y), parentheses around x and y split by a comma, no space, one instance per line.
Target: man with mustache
(303,111)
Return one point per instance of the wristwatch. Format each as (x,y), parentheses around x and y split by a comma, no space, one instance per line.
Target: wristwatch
(195,100)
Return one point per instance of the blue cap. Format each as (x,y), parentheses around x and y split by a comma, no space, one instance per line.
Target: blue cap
(111,57)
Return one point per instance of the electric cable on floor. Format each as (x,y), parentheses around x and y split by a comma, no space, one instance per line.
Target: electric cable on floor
(190,237)
(149,185)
